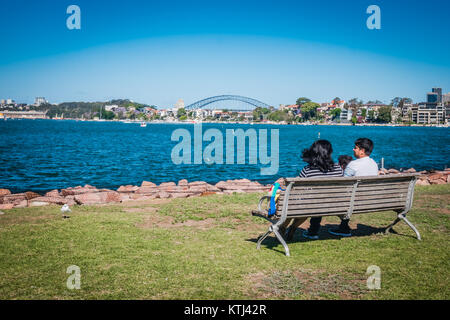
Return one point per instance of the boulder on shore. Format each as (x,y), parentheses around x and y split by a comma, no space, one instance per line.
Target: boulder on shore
(4,192)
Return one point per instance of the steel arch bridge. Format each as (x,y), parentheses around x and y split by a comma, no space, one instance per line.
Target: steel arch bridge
(207,101)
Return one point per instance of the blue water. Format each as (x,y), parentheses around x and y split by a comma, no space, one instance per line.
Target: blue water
(41,155)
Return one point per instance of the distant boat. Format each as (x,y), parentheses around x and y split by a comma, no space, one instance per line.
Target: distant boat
(143,124)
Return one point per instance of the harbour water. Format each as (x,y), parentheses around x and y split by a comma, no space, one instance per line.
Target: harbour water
(41,155)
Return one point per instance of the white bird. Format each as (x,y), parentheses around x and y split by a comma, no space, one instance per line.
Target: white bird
(65,209)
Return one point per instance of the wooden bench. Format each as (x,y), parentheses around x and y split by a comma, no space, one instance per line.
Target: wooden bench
(343,197)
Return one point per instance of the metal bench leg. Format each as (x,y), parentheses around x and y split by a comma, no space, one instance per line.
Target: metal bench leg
(411,226)
(388,229)
(261,239)
(280,238)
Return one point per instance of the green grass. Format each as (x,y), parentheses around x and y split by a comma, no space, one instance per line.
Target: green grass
(205,248)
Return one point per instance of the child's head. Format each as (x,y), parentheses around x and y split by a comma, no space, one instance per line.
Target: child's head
(344,161)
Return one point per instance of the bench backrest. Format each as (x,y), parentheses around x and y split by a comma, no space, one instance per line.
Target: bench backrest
(309,197)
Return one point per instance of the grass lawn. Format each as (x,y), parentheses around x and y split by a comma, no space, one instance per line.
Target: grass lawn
(205,248)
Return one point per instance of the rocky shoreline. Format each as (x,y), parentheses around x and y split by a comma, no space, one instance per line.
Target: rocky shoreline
(148,190)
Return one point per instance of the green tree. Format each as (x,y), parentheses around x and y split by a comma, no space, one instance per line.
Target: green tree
(309,110)
(302,100)
(384,114)
(335,113)
(108,115)
(363,113)
(181,112)
(371,115)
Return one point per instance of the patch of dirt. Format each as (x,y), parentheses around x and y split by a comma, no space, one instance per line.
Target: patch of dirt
(312,284)
(141,210)
(160,221)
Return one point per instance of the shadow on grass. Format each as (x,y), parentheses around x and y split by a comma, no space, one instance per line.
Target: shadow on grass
(362,230)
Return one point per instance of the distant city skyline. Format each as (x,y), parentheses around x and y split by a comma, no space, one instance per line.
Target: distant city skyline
(159,52)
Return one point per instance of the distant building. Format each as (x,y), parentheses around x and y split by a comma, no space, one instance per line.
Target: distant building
(346,115)
(446,98)
(24,114)
(430,113)
(178,105)
(432,97)
(438,91)
(112,107)
(39,100)
(10,101)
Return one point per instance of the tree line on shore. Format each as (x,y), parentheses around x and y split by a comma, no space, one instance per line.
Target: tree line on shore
(306,110)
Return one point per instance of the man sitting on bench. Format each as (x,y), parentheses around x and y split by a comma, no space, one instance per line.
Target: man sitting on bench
(362,166)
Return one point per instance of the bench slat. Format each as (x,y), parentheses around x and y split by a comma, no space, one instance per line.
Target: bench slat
(343,210)
(358,204)
(337,189)
(309,203)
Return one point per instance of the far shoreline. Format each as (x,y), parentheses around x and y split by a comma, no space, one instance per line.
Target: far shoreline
(243,123)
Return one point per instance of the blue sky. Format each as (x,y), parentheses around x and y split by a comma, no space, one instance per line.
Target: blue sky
(276,51)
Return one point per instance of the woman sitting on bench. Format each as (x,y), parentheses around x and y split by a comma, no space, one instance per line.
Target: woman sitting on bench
(320,164)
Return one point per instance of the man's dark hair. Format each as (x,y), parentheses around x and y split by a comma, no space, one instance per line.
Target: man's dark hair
(319,155)
(366,144)
(344,160)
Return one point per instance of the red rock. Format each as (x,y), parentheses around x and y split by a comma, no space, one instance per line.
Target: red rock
(198,189)
(4,192)
(179,195)
(197,183)
(435,176)
(6,206)
(111,196)
(86,186)
(147,190)
(183,182)
(211,188)
(148,184)
(167,184)
(128,189)
(448,179)
(52,200)
(53,193)
(411,170)
(15,198)
(31,195)
(98,197)
(77,190)
(422,182)
(22,204)
(162,195)
(393,171)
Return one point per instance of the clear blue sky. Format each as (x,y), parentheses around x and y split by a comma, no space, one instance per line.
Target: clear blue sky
(156,52)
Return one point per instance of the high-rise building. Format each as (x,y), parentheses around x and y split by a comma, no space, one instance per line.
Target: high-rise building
(432,97)
(438,91)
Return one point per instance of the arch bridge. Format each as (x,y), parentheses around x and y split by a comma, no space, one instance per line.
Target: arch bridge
(252,103)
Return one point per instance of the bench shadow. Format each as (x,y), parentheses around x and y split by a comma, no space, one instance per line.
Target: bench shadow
(362,230)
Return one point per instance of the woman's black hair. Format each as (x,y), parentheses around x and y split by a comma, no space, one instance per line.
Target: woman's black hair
(319,155)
